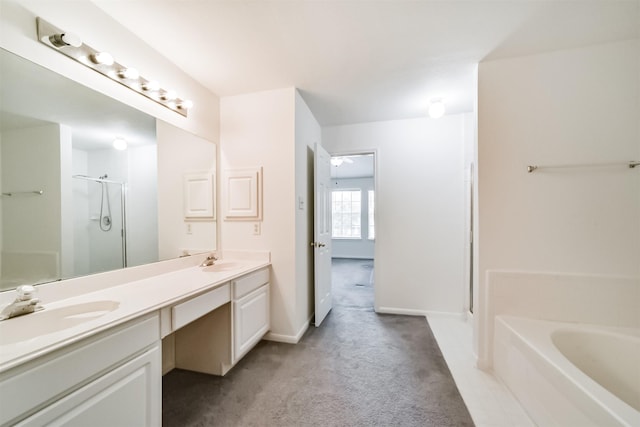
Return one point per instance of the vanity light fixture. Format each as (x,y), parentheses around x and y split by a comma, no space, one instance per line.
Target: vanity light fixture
(102,58)
(129,74)
(120,143)
(103,63)
(186,104)
(168,95)
(151,86)
(436,109)
(65,39)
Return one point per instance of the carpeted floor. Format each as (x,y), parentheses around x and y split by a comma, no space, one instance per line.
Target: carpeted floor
(358,369)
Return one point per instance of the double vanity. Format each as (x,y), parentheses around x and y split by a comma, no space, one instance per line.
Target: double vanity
(97,352)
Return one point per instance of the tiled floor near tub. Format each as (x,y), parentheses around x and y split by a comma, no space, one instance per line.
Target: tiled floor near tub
(488,400)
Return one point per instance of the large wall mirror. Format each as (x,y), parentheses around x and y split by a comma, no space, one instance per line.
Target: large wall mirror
(72,203)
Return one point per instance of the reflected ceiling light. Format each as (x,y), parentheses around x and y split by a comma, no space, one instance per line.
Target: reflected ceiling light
(120,143)
(336,161)
(436,109)
(65,39)
(72,46)
(101,58)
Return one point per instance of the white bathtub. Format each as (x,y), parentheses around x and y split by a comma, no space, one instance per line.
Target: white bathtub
(567,374)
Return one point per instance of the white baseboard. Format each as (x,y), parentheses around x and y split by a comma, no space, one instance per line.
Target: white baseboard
(458,315)
(289,339)
(413,312)
(403,311)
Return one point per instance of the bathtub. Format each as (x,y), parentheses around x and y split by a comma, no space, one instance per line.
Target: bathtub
(568,374)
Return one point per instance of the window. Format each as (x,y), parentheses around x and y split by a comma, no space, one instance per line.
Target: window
(346,214)
(372,229)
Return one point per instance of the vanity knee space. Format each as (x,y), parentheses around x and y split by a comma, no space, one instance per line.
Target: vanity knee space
(211,332)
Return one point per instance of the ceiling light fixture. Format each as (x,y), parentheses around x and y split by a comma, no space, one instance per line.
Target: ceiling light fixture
(336,161)
(103,63)
(120,143)
(436,109)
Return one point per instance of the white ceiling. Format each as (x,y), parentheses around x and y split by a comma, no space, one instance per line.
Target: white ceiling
(360,166)
(359,60)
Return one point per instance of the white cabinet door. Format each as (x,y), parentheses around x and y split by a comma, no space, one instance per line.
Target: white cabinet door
(251,320)
(129,395)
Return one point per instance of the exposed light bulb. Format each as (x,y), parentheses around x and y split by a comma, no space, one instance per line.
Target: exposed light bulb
(151,86)
(129,73)
(101,58)
(120,144)
(169,95)
(186,104)
(436,109)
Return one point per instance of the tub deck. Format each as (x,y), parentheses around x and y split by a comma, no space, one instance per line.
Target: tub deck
(552,390)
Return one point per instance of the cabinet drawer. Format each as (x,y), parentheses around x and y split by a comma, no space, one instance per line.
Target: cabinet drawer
(250,282)
(187,312)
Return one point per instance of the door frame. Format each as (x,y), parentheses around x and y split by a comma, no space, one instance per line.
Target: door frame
(376,203)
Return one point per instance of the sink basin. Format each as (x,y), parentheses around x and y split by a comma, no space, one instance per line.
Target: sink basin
(48,321)
(223,266)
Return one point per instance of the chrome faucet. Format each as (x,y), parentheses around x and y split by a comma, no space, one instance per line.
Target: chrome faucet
(210,260)
(24,303)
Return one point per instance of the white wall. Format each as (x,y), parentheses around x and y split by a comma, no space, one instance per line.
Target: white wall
(362,248)
(307,134)
(257,130)
(178,153)
(275,130)
(577,106)
(419,209)
(81,215)
(142,207)
(32,223)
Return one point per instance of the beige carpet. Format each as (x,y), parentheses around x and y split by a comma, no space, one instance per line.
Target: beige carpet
(358,369)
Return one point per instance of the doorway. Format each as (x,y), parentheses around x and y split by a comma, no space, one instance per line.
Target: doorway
(353,200)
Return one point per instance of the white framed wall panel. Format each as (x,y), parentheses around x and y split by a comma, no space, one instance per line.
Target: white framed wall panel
(199,195)
(243,194)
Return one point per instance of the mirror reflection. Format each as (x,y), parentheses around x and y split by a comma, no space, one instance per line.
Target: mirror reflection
(72,204)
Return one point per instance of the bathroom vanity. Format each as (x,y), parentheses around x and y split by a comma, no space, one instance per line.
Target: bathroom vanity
(97,357)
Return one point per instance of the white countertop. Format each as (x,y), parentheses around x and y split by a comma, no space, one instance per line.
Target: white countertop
(136,298)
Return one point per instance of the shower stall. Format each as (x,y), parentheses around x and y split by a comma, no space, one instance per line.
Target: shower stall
(100,221)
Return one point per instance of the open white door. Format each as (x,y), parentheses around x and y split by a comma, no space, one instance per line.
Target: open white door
(322,232)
